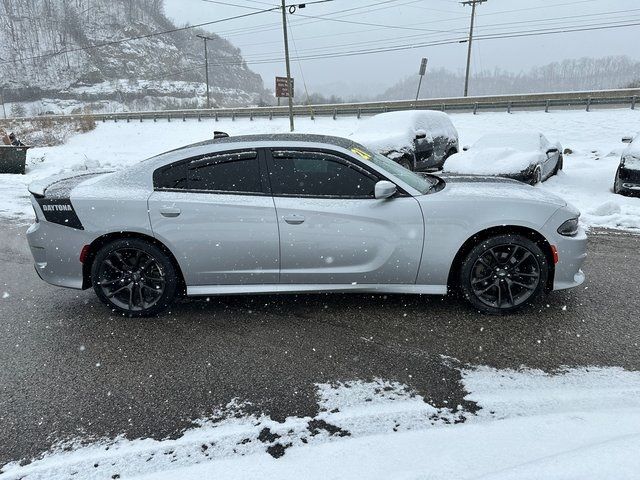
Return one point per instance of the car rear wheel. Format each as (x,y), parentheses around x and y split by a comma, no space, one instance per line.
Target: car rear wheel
(134,277)
(503,274)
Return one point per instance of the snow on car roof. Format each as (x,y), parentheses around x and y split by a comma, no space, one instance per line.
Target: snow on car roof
(391,131)
(522,141)
(492,161)
(633,149)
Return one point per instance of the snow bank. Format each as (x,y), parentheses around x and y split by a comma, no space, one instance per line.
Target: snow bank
(586,181)
(578,423)
(396,131)
(491,161)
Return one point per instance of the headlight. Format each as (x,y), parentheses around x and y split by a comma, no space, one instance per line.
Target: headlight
(569,228)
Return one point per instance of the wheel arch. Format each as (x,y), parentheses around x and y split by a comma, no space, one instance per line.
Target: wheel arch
(531,234)
(105,239)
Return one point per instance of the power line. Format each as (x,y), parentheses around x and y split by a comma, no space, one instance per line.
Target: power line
(501,26)
(276,26)
(449,41)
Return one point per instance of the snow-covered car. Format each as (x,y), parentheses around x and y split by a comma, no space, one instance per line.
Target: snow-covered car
(627,180)
(417,139)
(294,214)
(525,156)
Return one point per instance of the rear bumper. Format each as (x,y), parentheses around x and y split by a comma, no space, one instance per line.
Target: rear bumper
(56,253)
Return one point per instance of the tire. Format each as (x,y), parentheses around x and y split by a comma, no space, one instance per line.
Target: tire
(406,163)
(536,178)
(617,187)
(134,277)
(503,274)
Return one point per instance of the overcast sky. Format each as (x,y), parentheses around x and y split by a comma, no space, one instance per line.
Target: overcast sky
(374,24)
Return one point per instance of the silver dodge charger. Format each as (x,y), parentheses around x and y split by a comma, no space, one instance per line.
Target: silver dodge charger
(299,213)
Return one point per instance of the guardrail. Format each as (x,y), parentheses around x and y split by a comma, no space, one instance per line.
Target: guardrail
(547,101)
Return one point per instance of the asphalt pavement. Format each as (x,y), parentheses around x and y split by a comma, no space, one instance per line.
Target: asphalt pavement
(70,367)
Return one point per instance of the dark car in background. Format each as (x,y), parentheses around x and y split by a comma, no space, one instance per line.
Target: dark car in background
(525,156)
(417,139)
(627,180)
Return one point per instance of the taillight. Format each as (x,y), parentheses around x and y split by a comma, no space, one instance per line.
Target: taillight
(84,253)
(556,256)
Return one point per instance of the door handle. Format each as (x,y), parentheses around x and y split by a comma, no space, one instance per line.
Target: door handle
(294,219)
(170,212)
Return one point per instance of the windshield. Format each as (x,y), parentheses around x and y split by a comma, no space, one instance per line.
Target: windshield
(420,183)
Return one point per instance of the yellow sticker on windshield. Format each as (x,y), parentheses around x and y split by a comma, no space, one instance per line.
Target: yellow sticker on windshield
(361,153)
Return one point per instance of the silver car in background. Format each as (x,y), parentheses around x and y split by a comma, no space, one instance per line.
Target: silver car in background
(299,213)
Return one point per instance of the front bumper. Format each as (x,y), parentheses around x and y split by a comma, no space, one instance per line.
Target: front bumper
(56,253)
(572,252)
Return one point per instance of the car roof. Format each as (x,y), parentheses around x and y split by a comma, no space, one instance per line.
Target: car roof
(276,137)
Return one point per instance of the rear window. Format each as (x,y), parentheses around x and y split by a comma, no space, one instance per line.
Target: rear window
(235,172)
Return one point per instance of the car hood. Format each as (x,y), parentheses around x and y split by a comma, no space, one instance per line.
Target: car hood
(483,187)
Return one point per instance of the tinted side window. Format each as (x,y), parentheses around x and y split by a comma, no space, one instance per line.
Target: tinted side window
(230,172)
(318,174)
(234,172)
(172,176)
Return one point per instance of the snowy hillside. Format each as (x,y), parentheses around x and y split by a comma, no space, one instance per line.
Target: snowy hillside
(152,72)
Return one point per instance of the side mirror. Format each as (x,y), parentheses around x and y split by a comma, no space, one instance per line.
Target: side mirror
(421,134)
(465,148)
(627,139)
(385,189)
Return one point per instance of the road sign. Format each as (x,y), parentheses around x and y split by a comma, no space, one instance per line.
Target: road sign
(423,66)
(282,88)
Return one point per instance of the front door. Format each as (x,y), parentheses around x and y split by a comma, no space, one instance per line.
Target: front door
(216,216)
(332,228)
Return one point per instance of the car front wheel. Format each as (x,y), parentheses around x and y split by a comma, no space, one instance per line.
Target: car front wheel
(134,277)
(503,274)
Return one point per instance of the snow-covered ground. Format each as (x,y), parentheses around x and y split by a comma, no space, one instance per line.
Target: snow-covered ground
(587,180)
(576,424)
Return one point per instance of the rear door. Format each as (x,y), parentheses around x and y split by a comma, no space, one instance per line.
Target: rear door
(216,215)
(332,228)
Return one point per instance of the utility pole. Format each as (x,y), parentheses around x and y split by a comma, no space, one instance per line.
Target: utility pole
(286,55)
(206,65)
(473,4)
(4,110)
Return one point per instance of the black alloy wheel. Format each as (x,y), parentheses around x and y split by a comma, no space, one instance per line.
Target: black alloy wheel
(504,273)
(134,277)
